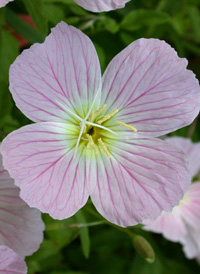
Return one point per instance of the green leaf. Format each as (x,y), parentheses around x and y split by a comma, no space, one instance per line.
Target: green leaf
(60,231)
(23,28)
(54,13)
(37,12)
(84,234)
(9,49)
(60,1)
(47,255)
(195,20)
(139,18)
(110,24)
(5,100)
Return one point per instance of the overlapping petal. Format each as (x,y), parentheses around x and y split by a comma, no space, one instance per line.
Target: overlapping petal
(191,243)
(137,182)
(192,150)
(190,207)
(183,223)
(21,227)
(10,262)
(169,224)
(152,88)
(4,2)
(65,69)
(41,159)
(101,5)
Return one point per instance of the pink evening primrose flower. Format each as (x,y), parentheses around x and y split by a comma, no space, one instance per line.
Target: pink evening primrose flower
(10,262)
(101,5)
(95,136)
(4,2)
(183,223)
(21,227)
(91,5)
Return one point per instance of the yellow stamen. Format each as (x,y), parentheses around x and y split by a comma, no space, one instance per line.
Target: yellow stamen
(91,117)
(104,147)
(127,126)
(94,114)
(91,142)
(107,117)
(100,110)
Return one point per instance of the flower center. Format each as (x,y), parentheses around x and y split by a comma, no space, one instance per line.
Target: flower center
(93,136)
(92,129)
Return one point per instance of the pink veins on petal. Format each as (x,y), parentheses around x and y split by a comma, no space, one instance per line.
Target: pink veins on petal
(96,136)
(21,227)
(10,262)
(183,223)
(101,5)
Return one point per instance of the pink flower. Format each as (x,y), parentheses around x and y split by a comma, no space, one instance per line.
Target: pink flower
(183,223)
(4,2)
(101,5)
(21,227)
(95,136)
(92,5)
(10,262)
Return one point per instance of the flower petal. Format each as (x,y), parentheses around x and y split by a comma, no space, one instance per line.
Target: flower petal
(21,227)
(192,151)
(40,157)
(10,262)
(169,224)
(65,69)
(190,210)
(4,2)
(152,88)
(140,180)
(101,5)
(191,243)
(190,207)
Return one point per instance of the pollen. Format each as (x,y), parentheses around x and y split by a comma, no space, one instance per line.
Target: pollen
(127,126)
(91,142)
(104,147)
(107,117)
(94,114)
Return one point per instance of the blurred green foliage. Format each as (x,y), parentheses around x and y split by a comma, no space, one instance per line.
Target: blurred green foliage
(71,246)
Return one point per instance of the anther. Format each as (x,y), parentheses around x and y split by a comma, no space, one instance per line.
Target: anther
(127,126)
(104,147)
(91,142)
(94,114)
(91,117)
(100,110)
(107,117)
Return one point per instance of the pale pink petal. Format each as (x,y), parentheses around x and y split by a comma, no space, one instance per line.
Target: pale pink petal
(4,2)
(198,258)
(190,206)
(64,69)
(21,227)
(101,5)
(183,223)
(191,243)
(140,180)
(152,88)
(10,262)
(169,224)
(192,151)
(190,210)
(40,157)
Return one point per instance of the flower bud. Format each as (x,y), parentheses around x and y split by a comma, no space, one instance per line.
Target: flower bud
(144,248)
